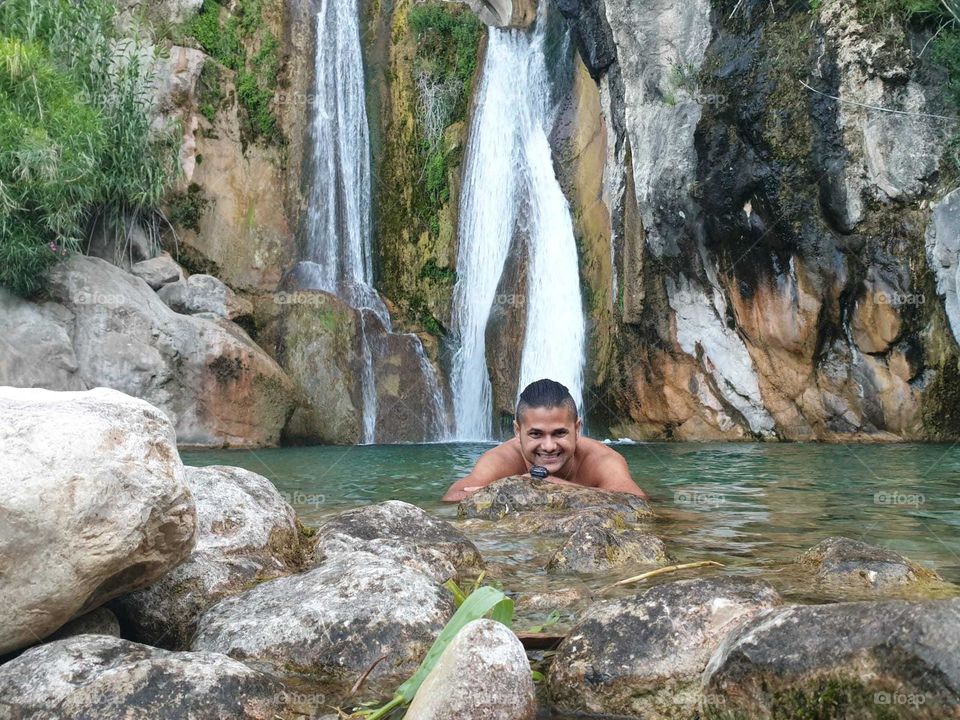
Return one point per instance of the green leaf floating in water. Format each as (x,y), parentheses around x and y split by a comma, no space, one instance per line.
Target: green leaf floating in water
(476,605)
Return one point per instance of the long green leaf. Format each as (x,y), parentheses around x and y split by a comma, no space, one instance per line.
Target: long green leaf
(477,604)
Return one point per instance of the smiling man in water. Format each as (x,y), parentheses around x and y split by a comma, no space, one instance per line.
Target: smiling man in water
(548,444)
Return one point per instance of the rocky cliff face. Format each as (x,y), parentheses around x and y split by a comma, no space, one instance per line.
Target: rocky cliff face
(769,240)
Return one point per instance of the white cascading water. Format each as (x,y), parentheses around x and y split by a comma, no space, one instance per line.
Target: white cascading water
(338,216)
(509,177)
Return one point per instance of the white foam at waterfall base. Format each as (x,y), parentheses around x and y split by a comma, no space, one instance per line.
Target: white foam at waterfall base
(509,177)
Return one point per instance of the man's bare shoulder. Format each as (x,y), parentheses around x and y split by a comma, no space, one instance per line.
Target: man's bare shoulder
(594,449)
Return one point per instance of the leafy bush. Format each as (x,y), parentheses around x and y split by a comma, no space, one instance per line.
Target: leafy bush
(226,37)
(75,136)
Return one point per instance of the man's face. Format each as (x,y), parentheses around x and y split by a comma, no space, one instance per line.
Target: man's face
(548,436)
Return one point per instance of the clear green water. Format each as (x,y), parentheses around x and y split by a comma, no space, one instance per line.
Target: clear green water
(753,507)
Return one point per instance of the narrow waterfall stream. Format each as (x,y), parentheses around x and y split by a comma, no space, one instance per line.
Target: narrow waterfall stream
(510,182)
(338,247)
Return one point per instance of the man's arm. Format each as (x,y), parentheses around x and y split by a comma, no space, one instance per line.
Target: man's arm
(502,461)
(612,473)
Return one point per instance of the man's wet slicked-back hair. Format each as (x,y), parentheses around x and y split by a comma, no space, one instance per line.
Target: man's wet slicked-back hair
(545,394)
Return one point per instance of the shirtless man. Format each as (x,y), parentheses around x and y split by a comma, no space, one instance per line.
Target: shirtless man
(548,436)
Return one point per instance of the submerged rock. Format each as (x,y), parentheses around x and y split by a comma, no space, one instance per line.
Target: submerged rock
(891,659)
(482,675)
(642,656)
(95,676)
(518,494)
(404,533)
(246,533)
(93,504)
(597,548)
(842,562)
(547,600)
(330,624)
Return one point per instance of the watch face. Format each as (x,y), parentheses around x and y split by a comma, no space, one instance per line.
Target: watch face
(538,471)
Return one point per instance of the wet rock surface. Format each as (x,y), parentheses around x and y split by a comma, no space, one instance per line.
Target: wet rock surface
(482,675)
(98,510)
(246,533)
(398,531)
(95,676)
(516,494)
(595,548)
(329,625)
(890,659)
(642,656)
(841,563)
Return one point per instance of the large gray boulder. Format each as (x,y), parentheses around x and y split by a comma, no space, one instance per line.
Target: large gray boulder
(844,564)
(517,494)
(96,676)
(246,533)
(204,294)
(642,656)
(36,349)
(891,659)
(496,685)
(217,386)
(331,624)
(404,533)
(93,504)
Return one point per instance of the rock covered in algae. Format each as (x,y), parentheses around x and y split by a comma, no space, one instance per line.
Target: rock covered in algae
(96,676)
(642,656)
(597,548)
(517,494)
(482,675)
(874,659)
(331,624)
(403,533)
(246,533)
(93,504)
(842,562)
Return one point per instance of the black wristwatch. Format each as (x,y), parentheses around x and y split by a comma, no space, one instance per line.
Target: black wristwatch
(539,472)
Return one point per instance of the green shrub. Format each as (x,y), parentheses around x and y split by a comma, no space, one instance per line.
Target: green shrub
(226,38)
(75,138)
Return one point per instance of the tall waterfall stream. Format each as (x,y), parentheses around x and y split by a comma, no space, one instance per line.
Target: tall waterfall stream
(510,185)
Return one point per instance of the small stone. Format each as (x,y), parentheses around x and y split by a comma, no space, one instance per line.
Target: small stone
(96,622)
(482,675)
(595,548)
(842,562)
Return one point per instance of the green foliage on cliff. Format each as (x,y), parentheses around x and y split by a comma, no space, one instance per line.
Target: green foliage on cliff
(75,137)
(230,39)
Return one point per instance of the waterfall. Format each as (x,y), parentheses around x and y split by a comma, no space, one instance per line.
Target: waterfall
(509,179)
(338,237)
